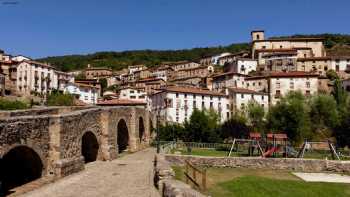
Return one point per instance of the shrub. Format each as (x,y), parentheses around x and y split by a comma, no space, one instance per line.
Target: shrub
(12,105)
(60,99)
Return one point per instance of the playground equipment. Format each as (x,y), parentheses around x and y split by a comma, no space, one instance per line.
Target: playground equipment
(253,144)
(309,146)
(278,143)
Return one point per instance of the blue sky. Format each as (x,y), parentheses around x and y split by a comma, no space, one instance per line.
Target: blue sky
(40,28)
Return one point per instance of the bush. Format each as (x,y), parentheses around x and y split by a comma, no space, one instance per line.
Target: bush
(60,99)
(12,105)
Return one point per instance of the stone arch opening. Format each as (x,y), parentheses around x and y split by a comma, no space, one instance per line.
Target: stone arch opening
(89,147)
(123,136)
(141,129)
(19,166)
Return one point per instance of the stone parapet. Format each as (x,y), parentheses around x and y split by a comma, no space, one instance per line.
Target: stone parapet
(167,185)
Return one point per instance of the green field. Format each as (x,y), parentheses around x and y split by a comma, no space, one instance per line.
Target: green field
(244,182)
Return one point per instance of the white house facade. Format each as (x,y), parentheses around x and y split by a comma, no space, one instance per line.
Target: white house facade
(176,104)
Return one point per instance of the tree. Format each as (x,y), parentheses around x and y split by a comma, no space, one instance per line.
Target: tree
(291,116)
(332,75)
(235,127)
(256,114)
(104,84)
(202,126)
(324,114)
(339,93)
(342,130)
(55,98)
(113,88)
(170,132)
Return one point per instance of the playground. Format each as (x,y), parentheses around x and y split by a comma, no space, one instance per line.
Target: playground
(256,182)
(275,145)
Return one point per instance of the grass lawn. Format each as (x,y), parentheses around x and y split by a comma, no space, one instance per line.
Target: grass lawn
(249,182)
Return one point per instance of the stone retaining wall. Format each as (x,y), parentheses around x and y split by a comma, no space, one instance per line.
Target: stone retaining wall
(301,165)
(167,185)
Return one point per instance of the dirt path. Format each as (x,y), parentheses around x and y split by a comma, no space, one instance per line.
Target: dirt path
(131,175)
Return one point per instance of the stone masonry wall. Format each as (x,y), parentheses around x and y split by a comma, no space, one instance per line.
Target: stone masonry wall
(164,180)
(301,165)
(56,138)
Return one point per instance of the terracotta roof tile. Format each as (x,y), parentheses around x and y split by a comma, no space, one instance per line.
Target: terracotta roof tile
(121,102)
(192,90)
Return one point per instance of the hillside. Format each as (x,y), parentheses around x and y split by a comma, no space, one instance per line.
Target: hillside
(336,44)
(120,60)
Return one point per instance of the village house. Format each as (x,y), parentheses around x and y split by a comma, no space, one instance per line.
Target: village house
(278,84)
(181,65)
(176,104)
(134,68)
(188,81)
(133,94)
(230,79)
(206,60)
(35,77)
(232,57)
(281,54)
(9,69)
(241,65)
(150,85)
(321,65)
(63,79)
(240,98)
(97,72)
(84,92)
(162,72)
(202,71)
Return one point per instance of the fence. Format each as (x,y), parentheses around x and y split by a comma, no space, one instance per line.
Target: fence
(191,175)
(167,146)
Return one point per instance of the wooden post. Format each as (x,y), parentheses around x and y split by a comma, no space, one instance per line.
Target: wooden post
(186,171)
(204,179)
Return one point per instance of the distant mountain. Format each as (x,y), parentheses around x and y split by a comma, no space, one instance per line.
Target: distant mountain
(336,44)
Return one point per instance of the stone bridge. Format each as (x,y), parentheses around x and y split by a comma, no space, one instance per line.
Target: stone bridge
(56,143)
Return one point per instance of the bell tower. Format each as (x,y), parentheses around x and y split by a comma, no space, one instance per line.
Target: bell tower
(258,35)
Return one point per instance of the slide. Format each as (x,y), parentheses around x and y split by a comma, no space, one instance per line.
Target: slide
(269,152)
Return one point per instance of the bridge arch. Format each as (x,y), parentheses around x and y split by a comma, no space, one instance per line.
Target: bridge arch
(141,129)
(89,147)
(20,165)
(123,137)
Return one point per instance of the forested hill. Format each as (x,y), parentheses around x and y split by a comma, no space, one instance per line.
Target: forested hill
(336,44)
(120,60)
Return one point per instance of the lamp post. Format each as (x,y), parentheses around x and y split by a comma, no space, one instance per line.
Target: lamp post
(158,137)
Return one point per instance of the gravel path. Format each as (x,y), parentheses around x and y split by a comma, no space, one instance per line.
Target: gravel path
(131,175)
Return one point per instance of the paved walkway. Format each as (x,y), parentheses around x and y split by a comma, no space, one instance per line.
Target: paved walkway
(323,177)
(131,175)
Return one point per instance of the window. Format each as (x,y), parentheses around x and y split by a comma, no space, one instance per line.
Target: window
(177,118)
(86,98)
(203,106)
(211,105)
(228,115)
(278,94)
(228,106)
(194,104)
(262,105)
(177,95)
(242,96)
(202,97)
(259,83)
(258,37)
(281,46)
(337,68)
(132,91)
(185,95)
(264,47)
(242,106)
(211,97)
(194,96)
(133,97)
(262,97)
(307,93)
(308,84)
(278,85)
(291,85)
(325,68)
